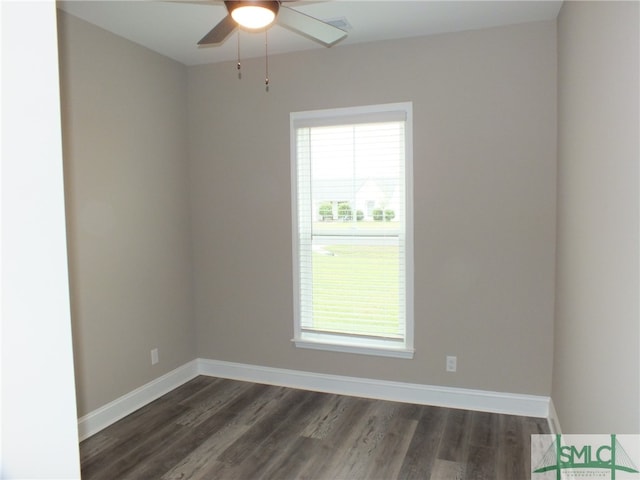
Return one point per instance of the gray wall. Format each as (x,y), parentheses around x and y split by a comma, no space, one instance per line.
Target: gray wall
(595,372)
(485,175)
(144,262)
(125,160)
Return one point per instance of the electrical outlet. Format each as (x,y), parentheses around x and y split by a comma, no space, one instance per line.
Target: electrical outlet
(154,356)
(452,363)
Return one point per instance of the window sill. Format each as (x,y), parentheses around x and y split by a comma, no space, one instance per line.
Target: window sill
(357,346)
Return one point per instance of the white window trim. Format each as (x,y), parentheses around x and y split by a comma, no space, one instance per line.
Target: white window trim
(343,343)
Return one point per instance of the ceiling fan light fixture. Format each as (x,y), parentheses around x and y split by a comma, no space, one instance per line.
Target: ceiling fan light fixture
(253,15)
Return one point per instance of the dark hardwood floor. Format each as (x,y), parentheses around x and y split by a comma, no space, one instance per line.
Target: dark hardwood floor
(212,428)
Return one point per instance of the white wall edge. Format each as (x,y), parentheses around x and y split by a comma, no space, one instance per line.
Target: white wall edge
(104,416)
(480,400)
(554,421)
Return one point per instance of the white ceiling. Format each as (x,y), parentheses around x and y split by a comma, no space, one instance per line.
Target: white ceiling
(173,28)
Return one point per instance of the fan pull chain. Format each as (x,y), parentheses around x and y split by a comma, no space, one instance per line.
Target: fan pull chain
(266,61)
(239,66)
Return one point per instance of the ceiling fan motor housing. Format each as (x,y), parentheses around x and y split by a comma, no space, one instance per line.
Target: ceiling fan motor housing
(253,14)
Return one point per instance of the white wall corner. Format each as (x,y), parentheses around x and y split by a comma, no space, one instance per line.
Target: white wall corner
(480,400)
(94,421)
(554,421)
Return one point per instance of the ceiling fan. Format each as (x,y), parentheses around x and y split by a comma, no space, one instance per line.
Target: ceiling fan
(260,15)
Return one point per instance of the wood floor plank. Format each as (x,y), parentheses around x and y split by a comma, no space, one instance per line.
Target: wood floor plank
(140,431)
(358,458)
(174,448)
(237,452)
(224,429)
(281,442)
(202,460)
(192,387)
(511,456)
(327,417)
(149,417)
(531,426)
(229,396)
(480,463)
(96,445)
(388,457)
(484,429)
(291,465)
(448,470)
(211,399)
(128,456)
(199,462)
(336,440)
(421,453)
(455,436)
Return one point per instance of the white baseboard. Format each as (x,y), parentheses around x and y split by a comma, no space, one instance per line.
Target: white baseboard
(104,416)
(480,400)
(485,401)
(554,421)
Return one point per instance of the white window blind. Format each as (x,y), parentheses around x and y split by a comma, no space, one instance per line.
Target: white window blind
(352,217)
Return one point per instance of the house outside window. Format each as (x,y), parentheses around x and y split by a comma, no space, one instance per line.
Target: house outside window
(353,229)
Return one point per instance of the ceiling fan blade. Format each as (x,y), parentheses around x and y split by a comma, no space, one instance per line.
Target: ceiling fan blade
(310,27)
(220,32)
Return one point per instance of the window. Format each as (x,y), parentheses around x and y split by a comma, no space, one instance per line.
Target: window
(352,222)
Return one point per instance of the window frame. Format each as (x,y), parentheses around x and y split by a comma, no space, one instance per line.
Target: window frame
(343,342)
